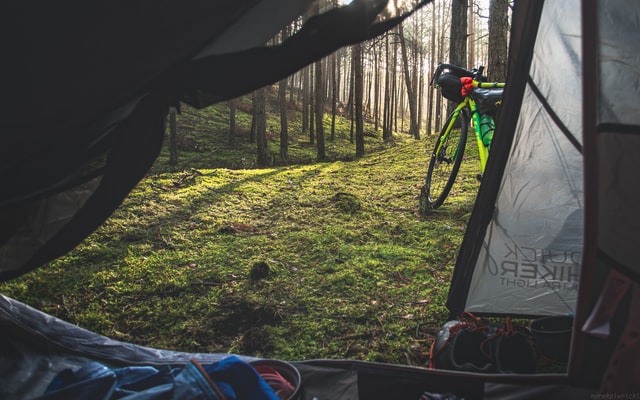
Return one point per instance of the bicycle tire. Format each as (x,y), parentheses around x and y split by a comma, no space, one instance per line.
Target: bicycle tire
(443,167)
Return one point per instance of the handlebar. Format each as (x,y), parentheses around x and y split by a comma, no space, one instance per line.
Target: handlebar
(475,73)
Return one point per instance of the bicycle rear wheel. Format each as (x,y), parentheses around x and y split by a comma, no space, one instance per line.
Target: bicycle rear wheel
(445,162)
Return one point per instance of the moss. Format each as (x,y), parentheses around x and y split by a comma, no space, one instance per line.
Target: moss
(353,269)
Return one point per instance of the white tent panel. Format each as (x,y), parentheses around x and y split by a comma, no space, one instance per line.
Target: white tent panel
(530,260)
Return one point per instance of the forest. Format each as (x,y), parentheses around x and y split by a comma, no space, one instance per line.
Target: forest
(285,223)
(385,81)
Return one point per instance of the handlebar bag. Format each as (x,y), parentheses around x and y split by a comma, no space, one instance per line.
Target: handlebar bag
(450,86)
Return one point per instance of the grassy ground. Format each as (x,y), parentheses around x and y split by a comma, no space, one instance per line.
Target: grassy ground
(301,261)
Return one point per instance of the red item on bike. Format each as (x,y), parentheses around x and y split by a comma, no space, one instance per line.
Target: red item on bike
(467,85)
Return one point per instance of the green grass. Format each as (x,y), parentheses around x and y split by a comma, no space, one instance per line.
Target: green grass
(300,261)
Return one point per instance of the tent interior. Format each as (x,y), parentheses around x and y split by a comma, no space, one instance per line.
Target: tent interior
(552,233)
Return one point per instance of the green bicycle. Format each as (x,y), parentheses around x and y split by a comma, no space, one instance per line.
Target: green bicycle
(478,101)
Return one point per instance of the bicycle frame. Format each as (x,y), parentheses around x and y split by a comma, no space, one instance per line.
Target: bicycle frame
(469,103)
(461,86)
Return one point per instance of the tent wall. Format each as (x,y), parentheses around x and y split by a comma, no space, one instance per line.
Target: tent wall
(525,260)
(530,259)
(606,347)
(618,133)
(583,94)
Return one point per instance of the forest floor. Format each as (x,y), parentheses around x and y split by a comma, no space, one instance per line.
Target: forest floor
(299,261)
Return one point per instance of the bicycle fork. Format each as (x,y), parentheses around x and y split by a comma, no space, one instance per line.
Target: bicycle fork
(442,146)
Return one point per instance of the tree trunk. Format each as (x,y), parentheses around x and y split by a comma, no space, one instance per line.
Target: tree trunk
(284,127)
(471,38)
(334,95)
(498,46)
(252,131)
(351,102)
(376,88)
(393,111)
(431,90)
(350,94)
(232,121)
(386,109)
(441,44)
(458,43)
(319,110)
(418,66)
(312,112)
(282,105)
(305,100)
(414,129)
(358,98)
(261,129)
(292,85)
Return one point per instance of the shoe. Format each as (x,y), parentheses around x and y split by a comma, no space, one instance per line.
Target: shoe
(471,345)
(515,354)
(467,354)
(458,346)
(512,351)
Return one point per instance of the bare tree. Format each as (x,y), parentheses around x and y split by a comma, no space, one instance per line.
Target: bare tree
(284,127)
(282,105)
(232,121)
(334,95)
(431,91)
(319,110)
(311,111)
(305,99)
(414,128)
(458,41)
(252,131)
(386,111)
(471,37)
(441,48)
(376,86)
(358,98)
(418,67)
(259,113)
(498,47)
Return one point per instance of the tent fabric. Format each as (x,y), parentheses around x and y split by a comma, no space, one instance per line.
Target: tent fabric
(529,260)
(38,347)
(618,132)
(609,55)
(524,30)
(229,378)
(600,206)
(69,79)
